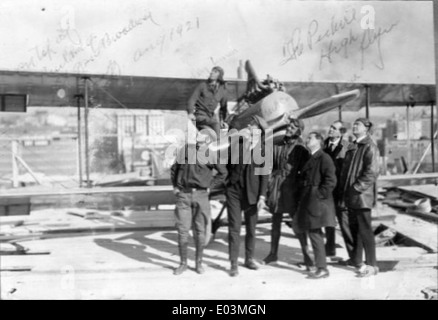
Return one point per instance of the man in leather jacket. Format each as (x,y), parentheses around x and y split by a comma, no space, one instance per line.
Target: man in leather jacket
(359,194)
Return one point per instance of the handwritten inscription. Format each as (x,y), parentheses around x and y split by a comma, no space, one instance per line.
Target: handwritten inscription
(169,35)
(214,61)
(341,39)
(71,50)
(371,37)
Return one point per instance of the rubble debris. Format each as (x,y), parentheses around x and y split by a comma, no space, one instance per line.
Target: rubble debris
(412,203)
(12,248)
(430,293)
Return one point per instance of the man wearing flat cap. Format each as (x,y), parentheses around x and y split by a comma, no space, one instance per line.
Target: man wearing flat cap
(359,194)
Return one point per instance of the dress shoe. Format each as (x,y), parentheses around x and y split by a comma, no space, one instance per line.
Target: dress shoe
(311,269)
(250,264)
(368,271)
(269,259)
(346,263)
(334,258)
(319,274)
(234,271)
(361,268)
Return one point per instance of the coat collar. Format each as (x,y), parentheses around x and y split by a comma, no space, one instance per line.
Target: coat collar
(354,145)
(365,140)
(317,154)
(341,144)
(309,164)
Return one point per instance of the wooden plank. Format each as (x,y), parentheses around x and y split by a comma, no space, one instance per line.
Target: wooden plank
(430,191)
(22,253)
(69,232)
(15,268)
(155,190)
(11,221)
(407,180)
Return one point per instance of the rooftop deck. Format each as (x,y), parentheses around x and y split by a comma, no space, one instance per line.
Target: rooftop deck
(135,263)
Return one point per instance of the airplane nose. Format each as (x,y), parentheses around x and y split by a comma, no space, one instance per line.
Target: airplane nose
(276,105)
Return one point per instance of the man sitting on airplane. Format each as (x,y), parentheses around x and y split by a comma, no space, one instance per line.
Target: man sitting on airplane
(205,99)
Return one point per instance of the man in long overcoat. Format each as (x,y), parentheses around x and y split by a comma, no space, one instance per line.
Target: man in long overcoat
(316,208)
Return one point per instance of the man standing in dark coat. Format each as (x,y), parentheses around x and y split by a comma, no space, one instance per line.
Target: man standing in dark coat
(316,207)
(246,191)
(358,184)
(336,147)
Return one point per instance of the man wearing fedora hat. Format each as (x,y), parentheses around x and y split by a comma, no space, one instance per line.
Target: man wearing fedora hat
(245,191)
(359,194)
(205,99)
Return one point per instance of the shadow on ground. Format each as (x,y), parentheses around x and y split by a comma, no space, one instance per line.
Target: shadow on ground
(147,248)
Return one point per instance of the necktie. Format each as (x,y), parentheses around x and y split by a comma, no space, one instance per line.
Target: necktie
(332,146)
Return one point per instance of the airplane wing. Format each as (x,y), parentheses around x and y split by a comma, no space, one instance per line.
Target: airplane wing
(390,95)
(59,90)
(114,91)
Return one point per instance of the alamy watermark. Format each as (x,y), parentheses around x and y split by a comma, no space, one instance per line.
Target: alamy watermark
(246,146)
(368,20)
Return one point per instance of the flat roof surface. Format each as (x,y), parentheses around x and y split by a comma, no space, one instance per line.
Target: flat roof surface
(139,264)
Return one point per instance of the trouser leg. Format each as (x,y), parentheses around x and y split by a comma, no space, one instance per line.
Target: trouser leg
(330,244)
(183,214)
(367,236)
(317,240)
(206,122)
(250,237)
(342,215)
(302,237)
(234,221)
(357,241)
(201,224)
(277,218)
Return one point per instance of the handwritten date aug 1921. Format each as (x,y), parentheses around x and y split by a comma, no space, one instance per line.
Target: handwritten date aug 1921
(343,38)
(170,35)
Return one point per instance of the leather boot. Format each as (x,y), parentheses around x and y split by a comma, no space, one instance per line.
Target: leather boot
(234,272)
(199,252)
(275,241)
(183,255)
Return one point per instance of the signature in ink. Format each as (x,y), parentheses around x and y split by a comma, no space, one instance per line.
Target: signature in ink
(371,37)
(342,48)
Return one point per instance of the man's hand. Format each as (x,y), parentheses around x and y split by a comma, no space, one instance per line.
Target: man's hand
(261,204)
(224,125)
(191,117)
(176,191)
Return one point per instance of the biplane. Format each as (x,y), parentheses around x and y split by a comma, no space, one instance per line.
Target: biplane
(272,101)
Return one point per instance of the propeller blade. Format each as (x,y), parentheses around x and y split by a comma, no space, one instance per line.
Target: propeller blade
(277,137)
(252,77)
(327,104)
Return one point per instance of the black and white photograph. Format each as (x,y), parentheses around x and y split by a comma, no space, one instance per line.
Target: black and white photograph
(225,152)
